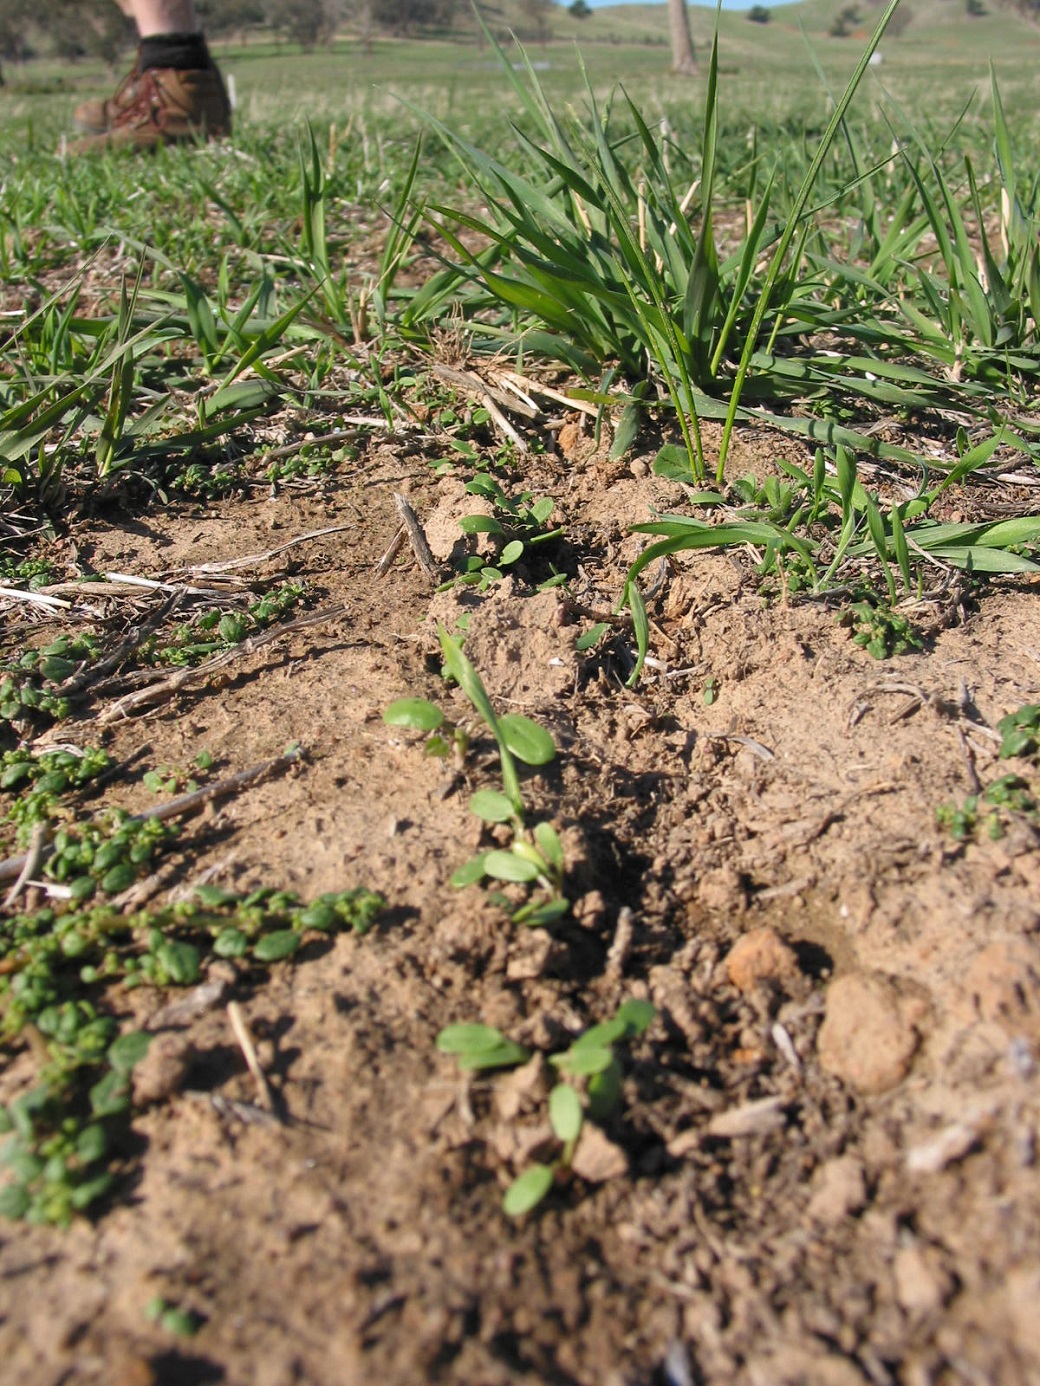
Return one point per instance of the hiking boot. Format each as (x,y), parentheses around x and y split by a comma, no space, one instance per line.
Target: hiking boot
(158,105)
(95,117)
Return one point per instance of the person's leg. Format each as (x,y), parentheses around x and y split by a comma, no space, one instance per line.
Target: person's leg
(161,16)
(174,91)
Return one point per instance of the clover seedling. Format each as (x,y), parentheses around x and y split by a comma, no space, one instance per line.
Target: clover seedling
(443,738)
(57,969)
(881,631)
(518,524)
(30,686)
(1020,732)
(534,858)
(169,780)
(989,810)
(181,1322)
(591,1062)
(480,1047)
(40,781)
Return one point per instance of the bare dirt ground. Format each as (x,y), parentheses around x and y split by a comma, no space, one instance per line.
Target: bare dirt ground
(824,1168)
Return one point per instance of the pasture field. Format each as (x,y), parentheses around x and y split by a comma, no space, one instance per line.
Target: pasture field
(519,715)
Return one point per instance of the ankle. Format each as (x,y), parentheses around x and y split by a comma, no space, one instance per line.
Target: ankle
(185,52)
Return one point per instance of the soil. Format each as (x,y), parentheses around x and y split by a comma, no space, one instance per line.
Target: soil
(824,1166)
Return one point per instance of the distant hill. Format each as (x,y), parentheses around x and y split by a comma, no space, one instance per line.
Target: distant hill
(43,29)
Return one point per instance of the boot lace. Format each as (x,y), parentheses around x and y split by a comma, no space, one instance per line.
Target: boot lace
(150,104)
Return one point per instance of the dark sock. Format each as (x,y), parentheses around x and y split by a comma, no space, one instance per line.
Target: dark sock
(186,52)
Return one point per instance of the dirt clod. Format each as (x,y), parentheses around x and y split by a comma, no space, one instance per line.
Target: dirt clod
(597,1158)
(839,1190)
(867,1038)
(1003,985)
(922,1285)
(164,1068)
(761,958)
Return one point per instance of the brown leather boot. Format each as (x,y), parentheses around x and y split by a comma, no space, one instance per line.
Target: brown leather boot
(159,106)
(95,117)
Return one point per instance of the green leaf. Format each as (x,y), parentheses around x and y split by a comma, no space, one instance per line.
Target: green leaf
(673,463)
(57,669)
(507,866)
(273,947)
(180,961)
(504,1055)
(640,621)
(470,872)
(600,1036)
(535,914)
(466,676)
(581,1061)
(242,394)
(636,1015)
(603,1091)
(512,551)
(491,805)
(480,1047)
(230,943)
(527,740)
(468,1038)
(527,1190)
(320,916)
(548,843)
(83,1195)
(180,1322)
(119,878)
(479,524)
(565,1113)
(416,713)
(213,896)
(91,1144)
(129,1049)
(1016,743)
(14,1201)
(111,1095)
(591,637)
(628,431)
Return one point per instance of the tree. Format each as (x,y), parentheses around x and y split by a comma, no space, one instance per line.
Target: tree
(537,16)
(684,59)
(15,22)
(902,19)
(758,14)
(306,22)
(845,22)
(579,10)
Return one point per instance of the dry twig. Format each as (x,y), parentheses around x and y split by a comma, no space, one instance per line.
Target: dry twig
(173,683)
(244,1039)
(31,861)
(249,560)
(383,566)
(184,803)
(417,538)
